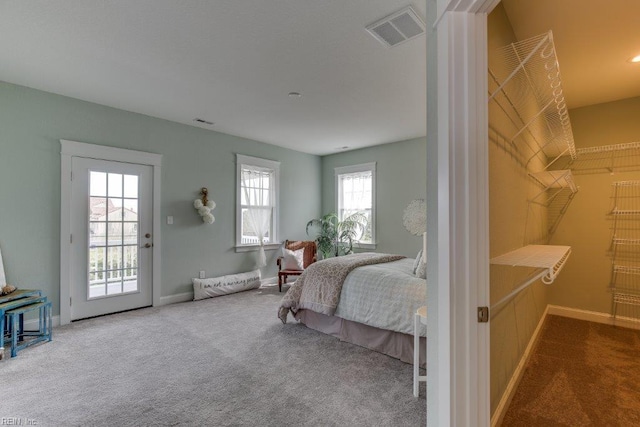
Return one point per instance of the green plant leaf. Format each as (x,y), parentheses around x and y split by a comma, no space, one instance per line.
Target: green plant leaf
(336,237)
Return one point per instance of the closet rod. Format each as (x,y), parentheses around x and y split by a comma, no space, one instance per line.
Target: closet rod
(518,290)
(550,259)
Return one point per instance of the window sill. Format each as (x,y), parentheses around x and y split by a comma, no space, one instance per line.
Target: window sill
(251,248)
(365,245)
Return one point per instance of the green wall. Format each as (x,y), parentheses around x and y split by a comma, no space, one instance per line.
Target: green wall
(401,176)
(31,124)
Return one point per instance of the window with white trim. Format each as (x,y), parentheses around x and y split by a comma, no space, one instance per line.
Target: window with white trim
(355,192)
(256,201)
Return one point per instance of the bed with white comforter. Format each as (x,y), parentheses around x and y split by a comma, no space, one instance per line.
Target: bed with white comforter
(367,299)
(384,295)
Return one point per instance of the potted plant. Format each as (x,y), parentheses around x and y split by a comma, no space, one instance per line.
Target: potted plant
(335,237)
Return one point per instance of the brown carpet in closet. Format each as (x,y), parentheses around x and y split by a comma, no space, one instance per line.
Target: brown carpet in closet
(580,374)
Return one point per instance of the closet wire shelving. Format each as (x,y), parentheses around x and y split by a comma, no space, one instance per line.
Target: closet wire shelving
(557,191)
(548,259)
(625,246)
(612,158)
(526,87)
(526,92)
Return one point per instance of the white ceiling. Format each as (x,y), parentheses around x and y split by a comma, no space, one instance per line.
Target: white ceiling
(594,39)
(231,62)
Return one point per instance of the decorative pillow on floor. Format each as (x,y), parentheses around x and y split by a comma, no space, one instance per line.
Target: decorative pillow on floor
(293,260)
(223,285)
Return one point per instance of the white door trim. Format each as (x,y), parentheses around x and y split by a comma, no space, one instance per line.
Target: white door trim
(458,222)
(71,149)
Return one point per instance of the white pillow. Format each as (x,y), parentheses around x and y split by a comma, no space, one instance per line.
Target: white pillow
(416,261)
(293,260)
(421,270)
(223,285)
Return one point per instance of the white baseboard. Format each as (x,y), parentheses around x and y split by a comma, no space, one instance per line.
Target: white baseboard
(173,299)
(594,316)
(32,324)
(502,407)
(188,296)
(269,281)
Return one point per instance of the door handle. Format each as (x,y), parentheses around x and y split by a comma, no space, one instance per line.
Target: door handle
(147,245)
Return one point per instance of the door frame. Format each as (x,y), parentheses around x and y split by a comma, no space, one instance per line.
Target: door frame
(70,149)
(458,379)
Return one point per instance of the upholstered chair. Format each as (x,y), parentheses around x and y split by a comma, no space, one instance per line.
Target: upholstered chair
(297,256)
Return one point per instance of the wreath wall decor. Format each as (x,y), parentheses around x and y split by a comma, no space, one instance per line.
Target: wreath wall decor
(204,206)
(415,217)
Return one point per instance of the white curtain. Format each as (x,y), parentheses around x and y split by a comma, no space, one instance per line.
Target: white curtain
(356,192)
(257,201)
(357,197)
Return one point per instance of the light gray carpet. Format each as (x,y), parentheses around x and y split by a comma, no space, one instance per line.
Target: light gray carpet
(219,362)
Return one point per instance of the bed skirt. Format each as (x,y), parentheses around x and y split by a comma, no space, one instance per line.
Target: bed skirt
(391,343)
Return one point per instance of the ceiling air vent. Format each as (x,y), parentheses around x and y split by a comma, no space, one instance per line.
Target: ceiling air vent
(203,121)
(398,27)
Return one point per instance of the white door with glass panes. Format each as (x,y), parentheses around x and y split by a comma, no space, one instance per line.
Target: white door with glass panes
(111,226)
